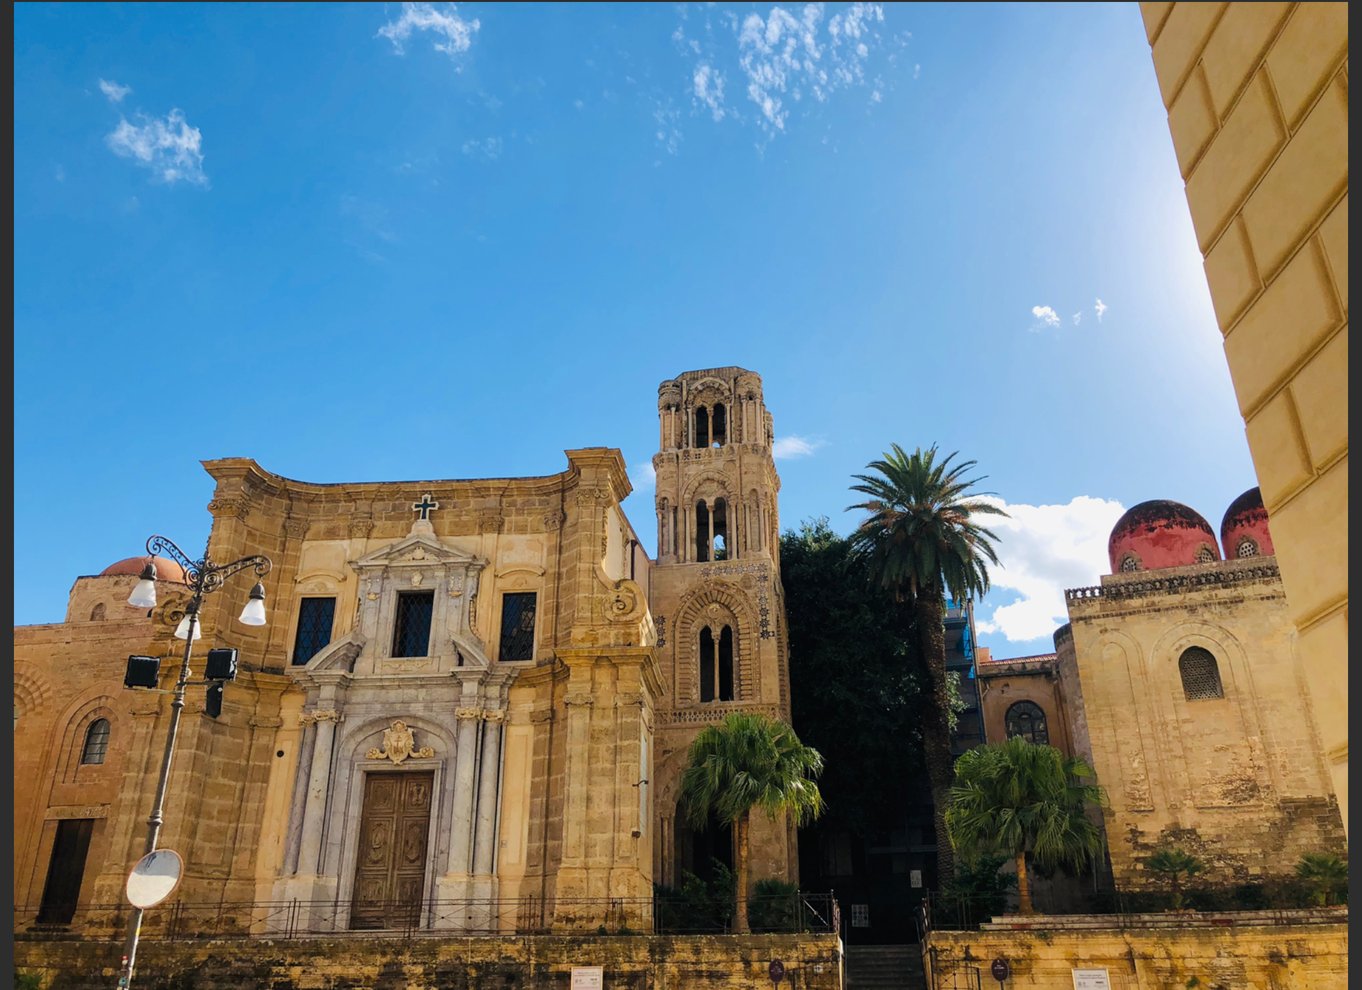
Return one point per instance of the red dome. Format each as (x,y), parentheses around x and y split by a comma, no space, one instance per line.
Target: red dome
(166,570)
(1244,532)
(1158,534)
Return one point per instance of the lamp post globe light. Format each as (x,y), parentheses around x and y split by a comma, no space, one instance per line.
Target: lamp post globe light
(201,577)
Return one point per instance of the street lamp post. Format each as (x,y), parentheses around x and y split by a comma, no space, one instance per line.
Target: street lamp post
(201,577)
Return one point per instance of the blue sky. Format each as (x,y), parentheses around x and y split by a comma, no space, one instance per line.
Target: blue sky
(381,242)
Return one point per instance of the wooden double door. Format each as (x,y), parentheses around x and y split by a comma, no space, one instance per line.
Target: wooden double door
(390,869)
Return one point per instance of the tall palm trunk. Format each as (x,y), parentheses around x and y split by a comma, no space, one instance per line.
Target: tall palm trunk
(929,619)
(1023,886)
(740,925)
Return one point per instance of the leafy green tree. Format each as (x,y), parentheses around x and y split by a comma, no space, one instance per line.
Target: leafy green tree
(856,688)
(922,542)
(746,762)
(1025,801)
(1325,874)
(1173,865)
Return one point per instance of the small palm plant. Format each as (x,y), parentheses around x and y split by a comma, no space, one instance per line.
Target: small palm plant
(749,761)
(1325,874)
(1173,865)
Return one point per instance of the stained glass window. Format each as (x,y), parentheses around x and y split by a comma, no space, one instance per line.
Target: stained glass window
(411,631)
(315,616)
(517,625)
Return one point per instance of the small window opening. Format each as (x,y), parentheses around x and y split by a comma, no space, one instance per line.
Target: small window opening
(96,742)
(411,632)
(701,532)
(97,613)
(702,427)
(720,432)
(1026,720)
(720,529)
(1130,563)
(706,664)
(1204,554)
(1200,675)
(726,664)
(1247,548)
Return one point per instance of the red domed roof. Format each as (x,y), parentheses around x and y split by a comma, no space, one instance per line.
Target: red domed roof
(1244,532)
(166,570)
(1158,534)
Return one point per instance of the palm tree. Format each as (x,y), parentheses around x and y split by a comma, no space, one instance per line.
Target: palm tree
(922,543)
(1325,873)
(749,761)
(1026,801)
(1173,864)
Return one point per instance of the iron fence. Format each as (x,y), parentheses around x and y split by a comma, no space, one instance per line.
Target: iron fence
(797,912)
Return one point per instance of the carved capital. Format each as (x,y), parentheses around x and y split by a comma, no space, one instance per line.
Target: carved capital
(541,715)
(581,699)
(592,496)
(491,521)
(553,521)
(360,528)
(493,715)
(319,715)
(463,714)
(628,700)
(296,529)
(227,506)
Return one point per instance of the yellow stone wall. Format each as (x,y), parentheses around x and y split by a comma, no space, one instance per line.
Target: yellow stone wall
(1281,956)
(1257,98)
(1239,780)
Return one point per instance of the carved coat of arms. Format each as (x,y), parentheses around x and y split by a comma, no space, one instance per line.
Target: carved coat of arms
(399,742)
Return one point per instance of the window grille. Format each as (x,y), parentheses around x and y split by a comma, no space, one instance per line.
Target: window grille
(1130,563)
(96,742)
(315,616)
(411,631)
(1246,548)
(517,625)
(1204,554)
(1200,675)
(1026,720)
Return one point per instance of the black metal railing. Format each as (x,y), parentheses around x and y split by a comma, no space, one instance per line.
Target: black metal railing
(791,913)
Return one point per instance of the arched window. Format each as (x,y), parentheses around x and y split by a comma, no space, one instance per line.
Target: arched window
(701,531)
(96,742)
(716,665)
(1204,554)
(1130,562)
(1248,547)
(1200,674)
(97,613)
(721,551)
(719,423)
(1025,719)
(702,427)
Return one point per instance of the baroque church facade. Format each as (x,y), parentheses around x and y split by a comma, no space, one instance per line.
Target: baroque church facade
(470,708)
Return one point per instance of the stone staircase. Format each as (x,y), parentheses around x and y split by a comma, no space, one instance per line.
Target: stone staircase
(884,967)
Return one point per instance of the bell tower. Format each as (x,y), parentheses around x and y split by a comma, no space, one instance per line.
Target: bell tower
(716,595)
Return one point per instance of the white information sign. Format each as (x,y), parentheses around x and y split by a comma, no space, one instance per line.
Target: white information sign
(1091,979)
(915,878)
(587,978)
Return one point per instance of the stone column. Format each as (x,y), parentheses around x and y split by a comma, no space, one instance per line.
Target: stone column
(484,845)
(465,766)
(319,783)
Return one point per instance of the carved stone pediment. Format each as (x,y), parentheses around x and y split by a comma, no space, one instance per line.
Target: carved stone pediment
(339,655)
(416,551)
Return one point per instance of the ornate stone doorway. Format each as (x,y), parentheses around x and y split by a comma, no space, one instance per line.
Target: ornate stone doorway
(390,865)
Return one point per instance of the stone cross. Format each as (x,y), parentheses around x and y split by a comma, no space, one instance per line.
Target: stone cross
(424,506)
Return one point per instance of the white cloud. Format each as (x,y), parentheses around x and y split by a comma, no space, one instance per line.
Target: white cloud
(453,34)
(114,91)
(1046,315)
(643,476)
(1100,308)
(784,57)
(794,446)
(1078,317)
(708,86)
(486,148)
(1043,549)
(169,147)
(667,130)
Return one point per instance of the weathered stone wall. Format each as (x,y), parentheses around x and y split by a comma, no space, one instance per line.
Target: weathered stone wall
(1003,683)
(1238,780)
(1209,954)
(721,962)
(1257,98)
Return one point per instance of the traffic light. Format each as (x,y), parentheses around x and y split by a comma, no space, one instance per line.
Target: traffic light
(142,672)
(212,703)
(221,665)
